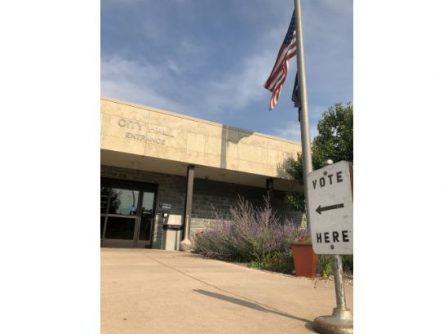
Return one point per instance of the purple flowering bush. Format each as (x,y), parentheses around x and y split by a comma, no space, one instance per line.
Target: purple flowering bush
(255,235)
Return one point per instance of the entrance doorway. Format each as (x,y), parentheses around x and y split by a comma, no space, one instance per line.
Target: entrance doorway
(127,212)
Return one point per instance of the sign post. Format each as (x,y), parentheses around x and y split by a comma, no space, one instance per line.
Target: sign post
(330,196)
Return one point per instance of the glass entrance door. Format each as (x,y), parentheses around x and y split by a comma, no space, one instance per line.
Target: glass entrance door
(127,214)
(146,219)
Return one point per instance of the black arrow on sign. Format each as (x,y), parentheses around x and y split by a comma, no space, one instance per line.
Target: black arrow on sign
(329,207)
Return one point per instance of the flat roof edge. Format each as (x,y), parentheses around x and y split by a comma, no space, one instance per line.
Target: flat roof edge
(171,113)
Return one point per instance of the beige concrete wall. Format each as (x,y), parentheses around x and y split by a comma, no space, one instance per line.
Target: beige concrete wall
(156,133)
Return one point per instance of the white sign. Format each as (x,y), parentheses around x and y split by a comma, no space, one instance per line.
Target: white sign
(330,208)
(166,206)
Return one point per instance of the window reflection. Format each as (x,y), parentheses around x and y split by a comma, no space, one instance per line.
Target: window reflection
(147,216)
(123,202)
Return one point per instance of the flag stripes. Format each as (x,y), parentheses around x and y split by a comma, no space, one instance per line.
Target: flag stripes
(280,70)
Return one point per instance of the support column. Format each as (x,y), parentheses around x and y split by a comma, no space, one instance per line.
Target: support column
(185,244)
(270,188)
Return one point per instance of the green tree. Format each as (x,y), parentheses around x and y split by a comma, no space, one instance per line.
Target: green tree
(334,141)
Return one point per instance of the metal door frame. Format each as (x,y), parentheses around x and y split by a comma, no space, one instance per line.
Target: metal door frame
(136,186)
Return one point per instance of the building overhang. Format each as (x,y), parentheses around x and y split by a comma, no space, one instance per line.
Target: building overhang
(150,164)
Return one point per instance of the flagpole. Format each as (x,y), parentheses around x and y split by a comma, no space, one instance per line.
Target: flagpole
(303,110)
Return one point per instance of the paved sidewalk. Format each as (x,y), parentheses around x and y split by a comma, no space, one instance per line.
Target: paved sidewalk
(147,291)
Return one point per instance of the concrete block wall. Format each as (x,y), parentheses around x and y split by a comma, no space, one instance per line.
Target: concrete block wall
(209,197)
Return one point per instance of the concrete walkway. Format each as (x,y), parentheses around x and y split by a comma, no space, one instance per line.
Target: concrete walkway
(153,291)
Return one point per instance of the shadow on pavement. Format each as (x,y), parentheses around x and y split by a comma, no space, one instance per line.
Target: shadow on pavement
(251,305)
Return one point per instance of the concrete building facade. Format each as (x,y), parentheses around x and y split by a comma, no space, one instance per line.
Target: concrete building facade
(157,164)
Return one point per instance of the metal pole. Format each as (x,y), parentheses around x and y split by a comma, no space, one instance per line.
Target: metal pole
(338,278)
(304,114)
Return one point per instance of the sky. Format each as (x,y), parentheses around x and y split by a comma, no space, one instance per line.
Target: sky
(210,58)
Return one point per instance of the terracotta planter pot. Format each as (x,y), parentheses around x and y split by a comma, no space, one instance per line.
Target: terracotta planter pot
(305,260)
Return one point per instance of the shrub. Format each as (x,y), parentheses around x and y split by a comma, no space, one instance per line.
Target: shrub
(253,234)
(348,263)
(325,265)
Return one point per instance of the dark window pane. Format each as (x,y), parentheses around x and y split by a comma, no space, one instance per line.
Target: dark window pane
(145,227)
(123,201)
(147,216)
(120,228)
(104,195)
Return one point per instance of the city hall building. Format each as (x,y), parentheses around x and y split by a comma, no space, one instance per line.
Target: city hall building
(160,168)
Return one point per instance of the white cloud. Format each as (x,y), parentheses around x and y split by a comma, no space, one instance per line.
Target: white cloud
(292,131)
(173,66)
(340,6)
(289,131)
(117,67)
(131,81)
(124,2)
(148,84)
(236,89)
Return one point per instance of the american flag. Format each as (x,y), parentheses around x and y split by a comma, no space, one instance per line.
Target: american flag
(280,69)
